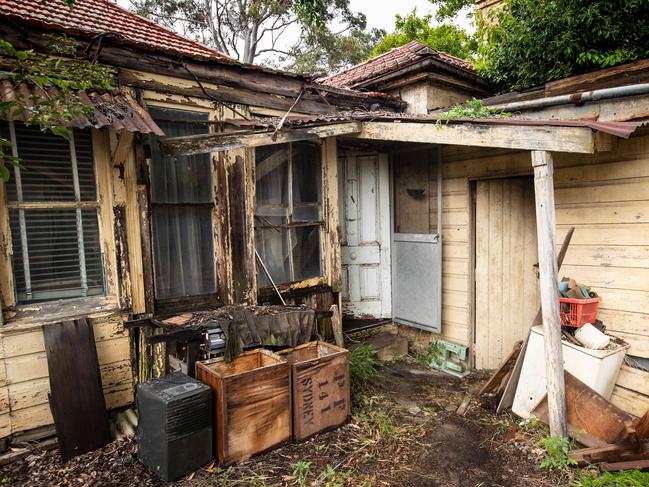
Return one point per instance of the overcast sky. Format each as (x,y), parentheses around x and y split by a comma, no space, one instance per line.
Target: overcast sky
(379,13)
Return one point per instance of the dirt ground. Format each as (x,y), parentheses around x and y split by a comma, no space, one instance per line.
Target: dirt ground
(404,432)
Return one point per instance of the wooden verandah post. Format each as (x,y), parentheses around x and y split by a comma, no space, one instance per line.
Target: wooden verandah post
(546,235)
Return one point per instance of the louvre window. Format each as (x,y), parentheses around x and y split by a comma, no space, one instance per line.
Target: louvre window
(181,212)
(53,216)
(288,214)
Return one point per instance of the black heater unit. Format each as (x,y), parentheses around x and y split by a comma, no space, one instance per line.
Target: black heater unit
(174,430)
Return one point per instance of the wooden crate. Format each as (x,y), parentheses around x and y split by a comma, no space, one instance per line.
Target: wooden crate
(319,387)
(252,403)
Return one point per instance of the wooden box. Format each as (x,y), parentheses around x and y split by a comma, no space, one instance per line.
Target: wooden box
(252,403)
(319,386)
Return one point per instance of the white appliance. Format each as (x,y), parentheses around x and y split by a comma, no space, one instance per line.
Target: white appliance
(598,369)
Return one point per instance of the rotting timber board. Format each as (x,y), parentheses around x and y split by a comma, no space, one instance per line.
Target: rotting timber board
(252,403)
(319,387)
(76,397)
(206,143)
(527,137)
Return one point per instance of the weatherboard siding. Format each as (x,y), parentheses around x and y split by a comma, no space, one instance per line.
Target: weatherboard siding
(606,197)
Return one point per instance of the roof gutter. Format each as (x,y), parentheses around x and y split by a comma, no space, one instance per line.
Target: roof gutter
(577,98)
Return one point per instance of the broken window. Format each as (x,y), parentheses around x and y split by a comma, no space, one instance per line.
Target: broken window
(288,214)
(181,211)
(53,215)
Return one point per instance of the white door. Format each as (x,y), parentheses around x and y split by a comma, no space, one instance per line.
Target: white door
(365,235)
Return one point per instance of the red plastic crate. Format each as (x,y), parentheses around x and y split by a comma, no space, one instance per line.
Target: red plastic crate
(578,312)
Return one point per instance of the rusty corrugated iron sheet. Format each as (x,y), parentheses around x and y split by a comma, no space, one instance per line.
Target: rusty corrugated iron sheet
(116,109)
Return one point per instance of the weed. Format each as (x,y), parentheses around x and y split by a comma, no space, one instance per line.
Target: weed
(6,480)
(363,367)
(321,447)
(472,108)
(330,478)
(377,423)
(301,471)
(629,478)
(434,354)
(556,453)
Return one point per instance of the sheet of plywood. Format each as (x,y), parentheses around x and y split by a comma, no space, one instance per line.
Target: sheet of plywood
(76,397)
(506,288)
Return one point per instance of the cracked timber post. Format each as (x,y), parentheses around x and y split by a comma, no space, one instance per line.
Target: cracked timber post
(546,236)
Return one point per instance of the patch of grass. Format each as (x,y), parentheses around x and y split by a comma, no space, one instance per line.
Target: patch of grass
(363,367)
(534,428)
(301,471)
(556,453)
(629,478)
(332,478)
(376,422)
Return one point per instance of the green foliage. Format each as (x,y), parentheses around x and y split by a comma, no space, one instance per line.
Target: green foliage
(377,422)
(445,37)
(60,72)
(326,51)
(301,471)
(363,367)
(332,478)
(434,354)
(529,42)
(556,453)
(448,9)
(472,108)
(253,30)
(629,478)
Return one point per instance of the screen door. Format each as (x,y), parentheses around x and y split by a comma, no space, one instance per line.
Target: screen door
(416,240)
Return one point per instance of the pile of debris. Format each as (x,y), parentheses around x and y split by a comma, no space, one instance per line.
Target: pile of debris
(612,438)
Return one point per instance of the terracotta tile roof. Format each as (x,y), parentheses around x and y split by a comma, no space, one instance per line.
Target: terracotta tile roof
(392,61)
(92,17)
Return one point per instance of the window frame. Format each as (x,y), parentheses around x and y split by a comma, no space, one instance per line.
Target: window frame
(103,204)
(290,224)
(163,305)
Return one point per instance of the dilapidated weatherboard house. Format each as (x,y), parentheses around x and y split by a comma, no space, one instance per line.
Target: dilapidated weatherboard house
(357,198)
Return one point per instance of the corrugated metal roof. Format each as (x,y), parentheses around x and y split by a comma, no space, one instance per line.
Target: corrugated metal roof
(115,109)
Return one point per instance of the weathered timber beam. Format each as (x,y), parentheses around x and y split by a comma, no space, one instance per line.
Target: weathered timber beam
(231,74)
(526,137)
(548,273)
(201,144)
(226,94)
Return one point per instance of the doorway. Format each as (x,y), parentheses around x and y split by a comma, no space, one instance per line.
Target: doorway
(506,287)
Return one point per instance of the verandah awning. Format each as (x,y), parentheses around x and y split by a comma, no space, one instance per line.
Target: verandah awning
(577,136)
